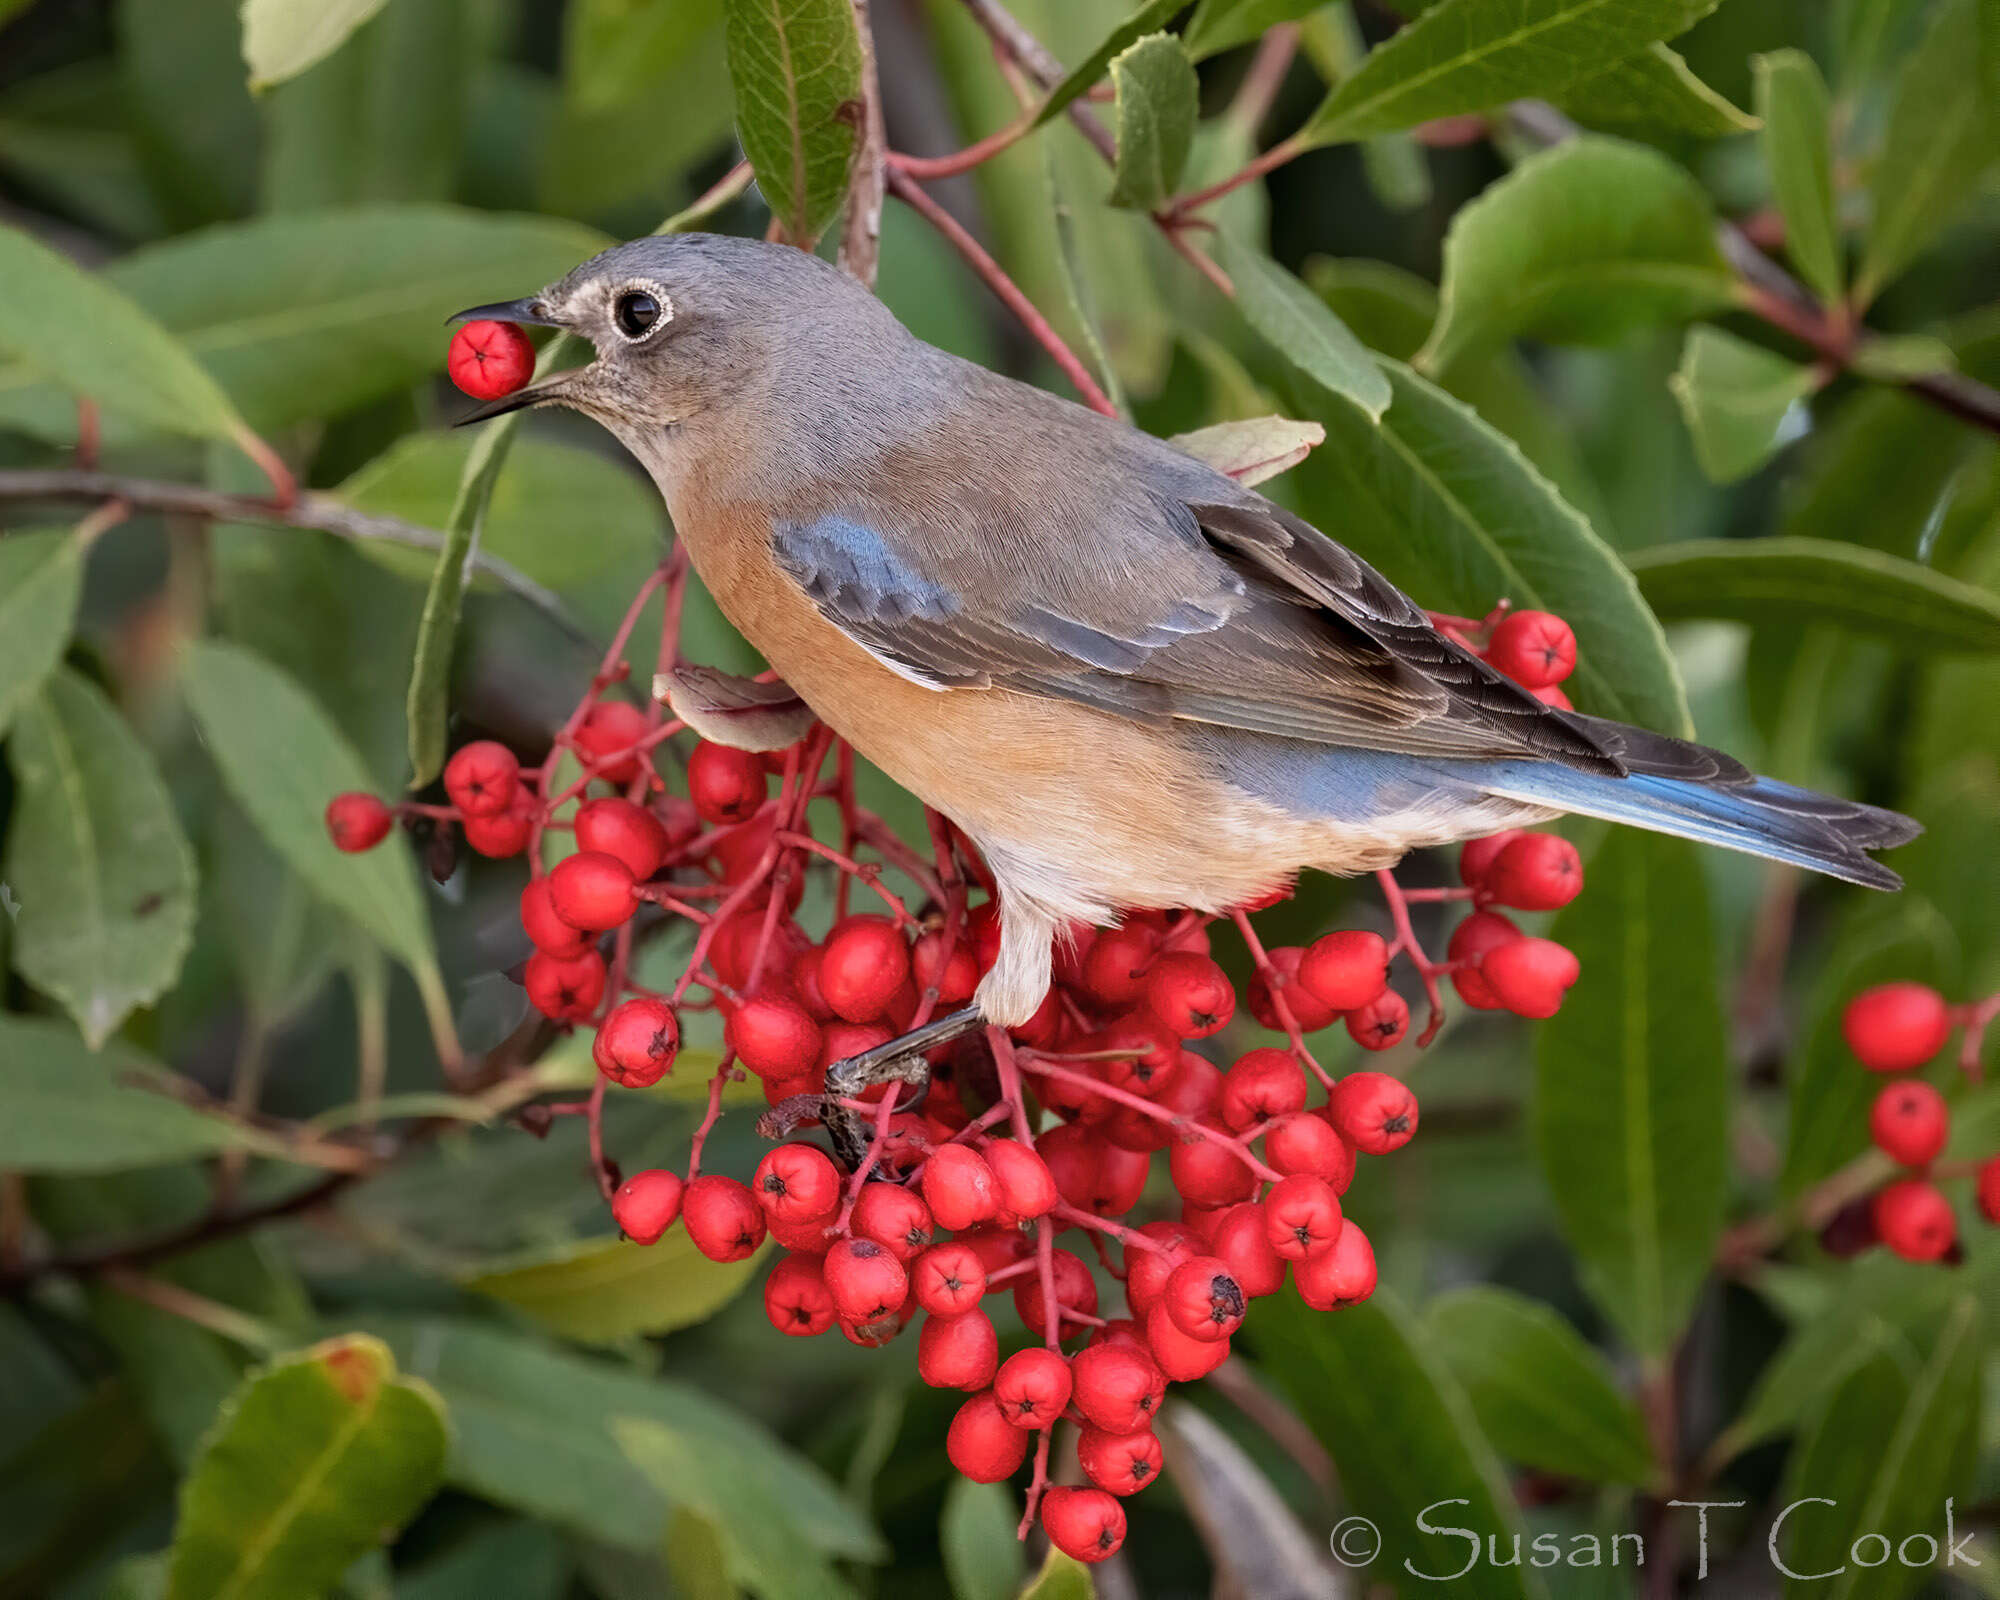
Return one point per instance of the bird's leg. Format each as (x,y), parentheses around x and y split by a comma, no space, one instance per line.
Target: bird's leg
(899,1060)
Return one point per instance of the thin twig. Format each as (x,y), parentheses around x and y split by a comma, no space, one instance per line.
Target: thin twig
(321,513)
(861,231)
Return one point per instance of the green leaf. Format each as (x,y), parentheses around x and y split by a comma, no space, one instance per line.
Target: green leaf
(1737,399)
(1219,25)
(1469,55)
(1905,939)
(1158,101)
(981,1555)
(1070,268)
(1632,1087)
(796,65)
(1544,1397)
(1798,148)
(1449,510)
(1939,140)
(1915,608)
(77,328)
(41,580)
(1580,244)
(96,860)
(697,1556)
(600,1291)
(1403,1434)
(1061,1578)
(304,317)
(532,1430)
(1150,17)
(1655,92)
(760,1547)
(283,760)
(281,38)
(1254,450)
(67,1108)
(1255,1541)
(318,1458)
(1888,1450)
(615,50)
(1899,357)
(1304,330)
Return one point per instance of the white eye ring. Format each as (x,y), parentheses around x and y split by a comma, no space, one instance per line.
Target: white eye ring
(639,310)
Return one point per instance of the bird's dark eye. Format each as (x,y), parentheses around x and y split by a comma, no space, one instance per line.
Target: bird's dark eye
(635,313)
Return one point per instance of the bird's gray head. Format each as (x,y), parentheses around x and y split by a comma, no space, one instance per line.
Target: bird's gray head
(695,333)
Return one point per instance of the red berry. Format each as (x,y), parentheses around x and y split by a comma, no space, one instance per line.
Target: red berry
(1381,1024)
(1475,856)
(636,1044)
(1536,872)
(1301,1216)
(894,1218)
(1153,1059)
(1987,1189)
(1343,1274)
(1550,695)
(1117,1387)
(620,828)
(874,1335)
(357,822)
(567,989)
(1909,1122)
(489,359)
(1119,1463)
(1308,1010)
(1087,1524)
(774,1037)
(1238,1240)
(1204,1300)
(1471,941)
(1076,1290)
(1148,1269)
(1117,963)
(1373,1111)
(609,727)
(1530,976)
(646,1205)
(1209,1173)
(797,1183)
(796,1298)
(1896,1026)
(1347,969)
(1534,648)
(1303,1142)
(547,931)
(1181,1356)
(1915,1220)
(959,1187)
(722,1218)
(982,1443)
(808,1238)
(1189,995)
(1033,1387)
(867,1280)
(1027,1189)
(948,1279)
(865,963)
(1262,1085)
(481,778)
(725,785)
(958,1352)
(592,891)
(953,972)
(506,835)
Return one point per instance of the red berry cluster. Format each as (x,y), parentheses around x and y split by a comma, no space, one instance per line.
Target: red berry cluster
(979,1158)
(1537,649)
(1898,1028)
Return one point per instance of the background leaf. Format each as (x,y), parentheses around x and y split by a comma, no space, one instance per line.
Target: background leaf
(1149,17)
(1579,244)
(981,1554)
(1738,399)
(796,65)
(1468,55)
(1904,604)
(1304,330)
(315,1460)
(1061,1578)
(41,580)
(1655,91)
(96,860)
(1792,100)
(601,1291)
(1631,1105)
(1157,104)
(281,38)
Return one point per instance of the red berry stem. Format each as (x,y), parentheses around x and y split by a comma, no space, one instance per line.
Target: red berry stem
(1975,1017)
(1406,944)
(1274,981)
(1034,1062)
(870,875)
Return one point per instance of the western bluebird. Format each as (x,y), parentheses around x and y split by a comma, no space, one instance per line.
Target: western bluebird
(1130,680)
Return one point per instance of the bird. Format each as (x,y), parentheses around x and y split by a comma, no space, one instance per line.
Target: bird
(1131,681)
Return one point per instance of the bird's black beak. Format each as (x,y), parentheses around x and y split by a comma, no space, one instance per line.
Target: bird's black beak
(529,310)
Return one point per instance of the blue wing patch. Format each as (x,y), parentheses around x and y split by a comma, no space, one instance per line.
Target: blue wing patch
(852,571)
